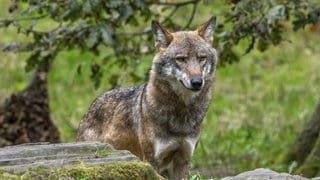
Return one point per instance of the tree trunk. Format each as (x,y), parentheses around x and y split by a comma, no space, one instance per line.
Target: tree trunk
(306,148)
(25,117)
(311,166)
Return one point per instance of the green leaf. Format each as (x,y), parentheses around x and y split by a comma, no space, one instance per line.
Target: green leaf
(86,7)
(32,61)
(107,33)
(114,3)
(141,4)
(314,16)
(276,13)
(300,20)
(276,37)
(79,69)
(125,13)
(262,45)
(30,28)
(93,37)
(96,75)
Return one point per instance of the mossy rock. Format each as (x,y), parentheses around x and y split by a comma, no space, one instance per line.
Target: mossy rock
(85,160)
(116,170)
(266,174)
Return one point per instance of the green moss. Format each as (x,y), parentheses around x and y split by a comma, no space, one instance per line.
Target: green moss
(103,152)
(117,170)
(4,163)
(8,175)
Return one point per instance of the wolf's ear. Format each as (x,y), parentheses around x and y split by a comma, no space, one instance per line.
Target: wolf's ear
(205,30)
(162,36)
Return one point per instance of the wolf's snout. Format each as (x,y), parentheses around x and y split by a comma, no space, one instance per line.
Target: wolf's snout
(196,83)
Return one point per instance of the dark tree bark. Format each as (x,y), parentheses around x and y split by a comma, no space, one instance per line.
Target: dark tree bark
(306,148)
(25,117)
(311,166)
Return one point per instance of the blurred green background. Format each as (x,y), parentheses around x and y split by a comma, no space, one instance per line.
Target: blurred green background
(259,104)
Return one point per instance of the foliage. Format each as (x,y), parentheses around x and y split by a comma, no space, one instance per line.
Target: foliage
(105,28)
(87,25)
(262,23)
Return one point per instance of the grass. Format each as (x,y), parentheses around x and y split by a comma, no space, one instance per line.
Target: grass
(259,104)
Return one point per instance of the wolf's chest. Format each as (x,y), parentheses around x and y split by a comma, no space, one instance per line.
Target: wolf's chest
(183,123)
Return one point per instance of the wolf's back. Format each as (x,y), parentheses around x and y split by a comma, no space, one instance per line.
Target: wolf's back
(117,105)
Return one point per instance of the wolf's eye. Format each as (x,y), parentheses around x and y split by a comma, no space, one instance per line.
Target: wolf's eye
(203,59)
(180,59)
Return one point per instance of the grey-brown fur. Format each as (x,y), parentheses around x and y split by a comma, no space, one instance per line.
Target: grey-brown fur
(160,121)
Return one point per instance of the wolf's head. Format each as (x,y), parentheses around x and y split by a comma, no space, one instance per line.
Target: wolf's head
(186,59)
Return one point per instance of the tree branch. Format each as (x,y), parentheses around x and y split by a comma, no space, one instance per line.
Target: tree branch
(24,19)
(176,7)
(177,3)
(192,15)
(171,14)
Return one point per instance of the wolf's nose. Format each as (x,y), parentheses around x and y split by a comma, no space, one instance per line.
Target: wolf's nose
(196,83)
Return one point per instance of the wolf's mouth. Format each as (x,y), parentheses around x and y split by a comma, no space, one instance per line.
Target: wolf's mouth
(192,89)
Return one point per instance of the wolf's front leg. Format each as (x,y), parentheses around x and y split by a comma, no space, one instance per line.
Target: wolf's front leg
(180,169)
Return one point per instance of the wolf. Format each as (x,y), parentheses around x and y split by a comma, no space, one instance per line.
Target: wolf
(160,121)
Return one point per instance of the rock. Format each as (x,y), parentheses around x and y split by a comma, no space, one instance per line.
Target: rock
(265,174)
(92,160)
